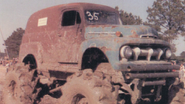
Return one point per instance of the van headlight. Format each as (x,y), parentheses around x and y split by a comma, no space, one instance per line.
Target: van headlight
(126,52)
(168,53)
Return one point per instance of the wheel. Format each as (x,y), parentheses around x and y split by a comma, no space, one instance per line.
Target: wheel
(86,88)
(12,90)
(19,85)
(114,77)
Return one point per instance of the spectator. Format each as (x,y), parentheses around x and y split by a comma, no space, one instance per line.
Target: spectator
(182,73)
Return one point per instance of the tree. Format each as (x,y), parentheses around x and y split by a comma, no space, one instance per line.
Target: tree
(182,54)
(13,43)
(2,55)
(168,18)
(129,18)
(173,57)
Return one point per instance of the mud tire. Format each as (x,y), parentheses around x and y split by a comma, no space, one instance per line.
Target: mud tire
(86,88)
(19,85)
(12,91)
(113,76)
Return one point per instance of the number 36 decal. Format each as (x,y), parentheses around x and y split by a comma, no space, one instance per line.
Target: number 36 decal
(92,16)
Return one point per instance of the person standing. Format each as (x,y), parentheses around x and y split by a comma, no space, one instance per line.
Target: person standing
(182,73)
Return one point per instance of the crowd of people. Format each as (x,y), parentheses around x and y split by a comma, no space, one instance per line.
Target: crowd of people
(7,62)
(181,71)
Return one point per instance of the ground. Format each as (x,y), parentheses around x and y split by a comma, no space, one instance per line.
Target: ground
(3,73)
(2,76)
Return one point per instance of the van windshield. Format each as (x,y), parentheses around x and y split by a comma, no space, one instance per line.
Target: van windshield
(101,17)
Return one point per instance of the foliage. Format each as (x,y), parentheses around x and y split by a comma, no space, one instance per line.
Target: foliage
(173,57)
(13,43)
(2,55)
(173,47)
(129,18)
(180,58)
(182,54)
(167,17)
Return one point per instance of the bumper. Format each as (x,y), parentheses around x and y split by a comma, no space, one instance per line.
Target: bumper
(152,75)
(147,66)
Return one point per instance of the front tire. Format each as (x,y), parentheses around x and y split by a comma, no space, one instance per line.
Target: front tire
(86,88)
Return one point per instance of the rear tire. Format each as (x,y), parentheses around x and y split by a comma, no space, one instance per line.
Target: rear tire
(12,90)
(19,85)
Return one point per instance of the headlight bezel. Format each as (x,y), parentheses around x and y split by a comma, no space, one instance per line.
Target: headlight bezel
(126,52)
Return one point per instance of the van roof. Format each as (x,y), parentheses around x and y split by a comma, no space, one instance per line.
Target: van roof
(48,15)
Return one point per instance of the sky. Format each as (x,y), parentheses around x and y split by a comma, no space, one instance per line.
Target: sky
(15,13)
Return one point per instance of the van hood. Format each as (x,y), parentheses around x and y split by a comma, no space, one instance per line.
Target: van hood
(134,31)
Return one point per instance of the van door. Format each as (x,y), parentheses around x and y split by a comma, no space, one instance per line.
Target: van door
(70,35)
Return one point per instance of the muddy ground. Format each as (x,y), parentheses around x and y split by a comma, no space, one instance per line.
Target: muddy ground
(2,76)
(47,101)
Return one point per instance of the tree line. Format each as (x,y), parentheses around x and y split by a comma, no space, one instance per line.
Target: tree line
(166,16)
(12,44)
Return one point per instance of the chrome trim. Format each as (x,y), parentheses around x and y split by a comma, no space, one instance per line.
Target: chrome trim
(149,36)
(136,52)
(160,53)
(149,52)
(101,32)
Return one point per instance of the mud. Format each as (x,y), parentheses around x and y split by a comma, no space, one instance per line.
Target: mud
(179,96)
(2,76)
